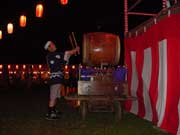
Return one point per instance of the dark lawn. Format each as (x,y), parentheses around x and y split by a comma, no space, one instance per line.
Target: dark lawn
(22,112)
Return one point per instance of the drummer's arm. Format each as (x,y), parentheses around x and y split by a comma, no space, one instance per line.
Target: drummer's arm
(69,53)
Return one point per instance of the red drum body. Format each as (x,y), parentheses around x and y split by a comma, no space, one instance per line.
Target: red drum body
(101,48)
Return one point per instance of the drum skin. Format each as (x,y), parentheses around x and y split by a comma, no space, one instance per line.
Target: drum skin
(101,48)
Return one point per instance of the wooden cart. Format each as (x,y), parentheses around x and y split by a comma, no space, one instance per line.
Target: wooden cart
(98,96)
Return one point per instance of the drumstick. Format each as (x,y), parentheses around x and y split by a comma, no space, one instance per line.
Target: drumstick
(70,38)
(74,39)
(72,44)
(75,42)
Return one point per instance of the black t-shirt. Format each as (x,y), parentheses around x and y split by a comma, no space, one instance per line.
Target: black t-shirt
(55,61)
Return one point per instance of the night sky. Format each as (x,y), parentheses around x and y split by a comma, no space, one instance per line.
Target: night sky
(25,45)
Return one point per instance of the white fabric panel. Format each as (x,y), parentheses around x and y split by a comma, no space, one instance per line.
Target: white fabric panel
(146,77)
(162,81)
(134,83)
(178,132)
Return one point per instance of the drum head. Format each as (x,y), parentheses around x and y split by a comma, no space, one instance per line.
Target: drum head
(101,47)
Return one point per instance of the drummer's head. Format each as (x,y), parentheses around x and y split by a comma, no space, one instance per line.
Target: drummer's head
(50,46)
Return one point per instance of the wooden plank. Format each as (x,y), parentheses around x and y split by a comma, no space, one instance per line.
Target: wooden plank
(125,98)
(118,110)
(101,88)
(99,97)
(83,108)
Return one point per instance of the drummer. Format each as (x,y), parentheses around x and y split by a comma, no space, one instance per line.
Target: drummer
(56,62)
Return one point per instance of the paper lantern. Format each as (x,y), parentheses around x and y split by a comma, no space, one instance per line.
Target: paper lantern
(64,2)
(40,66)
(17,66)
(66,67)
(73,67)
(9,66)
(39,10)
(0,34)
(24,66)
(22,21)
(10,28)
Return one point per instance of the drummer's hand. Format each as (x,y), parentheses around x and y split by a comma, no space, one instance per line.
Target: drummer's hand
(77,49)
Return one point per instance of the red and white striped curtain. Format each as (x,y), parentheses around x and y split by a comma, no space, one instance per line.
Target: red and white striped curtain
(153,60)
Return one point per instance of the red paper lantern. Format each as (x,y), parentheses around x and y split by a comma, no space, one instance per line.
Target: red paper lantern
(64,2)
(39,10)
(66,67)
(40,66)
(73,67)
(9,66)
(17,66)
(0,34)
(10,28)
(24,66)
(22,21)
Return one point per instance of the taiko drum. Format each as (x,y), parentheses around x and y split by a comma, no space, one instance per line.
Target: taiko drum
(101,48)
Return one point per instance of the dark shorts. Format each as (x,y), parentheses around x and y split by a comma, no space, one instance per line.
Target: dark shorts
(66,82)
(55,80)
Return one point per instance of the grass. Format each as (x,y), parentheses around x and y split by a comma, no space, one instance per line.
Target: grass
(22,112)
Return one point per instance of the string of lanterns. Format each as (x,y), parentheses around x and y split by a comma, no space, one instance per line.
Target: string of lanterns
(23,18)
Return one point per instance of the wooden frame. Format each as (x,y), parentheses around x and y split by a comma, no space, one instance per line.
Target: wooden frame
(116,101)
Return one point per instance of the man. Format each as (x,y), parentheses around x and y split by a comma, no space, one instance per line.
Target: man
(56,62)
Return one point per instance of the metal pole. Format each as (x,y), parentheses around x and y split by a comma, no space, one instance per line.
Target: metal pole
(125,17)
(134,5)
(144,14)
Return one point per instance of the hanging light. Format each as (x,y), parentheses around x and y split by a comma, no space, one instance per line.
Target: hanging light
(39,10)
(22,21)
(0,34)
(66,67)
(9,66)
(10,28)
(40,66)
(73,67)
(17,66)
(1,66)
(64,2)
(24,66)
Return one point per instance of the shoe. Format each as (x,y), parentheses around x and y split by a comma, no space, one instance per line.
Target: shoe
(58,113)
(52,116)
